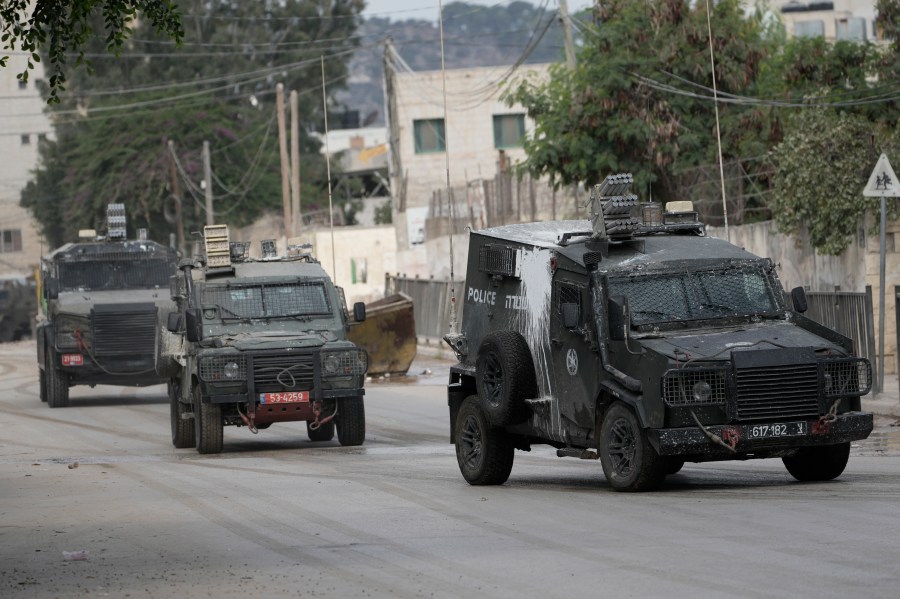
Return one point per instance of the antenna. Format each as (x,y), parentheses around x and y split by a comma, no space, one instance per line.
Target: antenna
(447,159)
(712,62)
(328,171)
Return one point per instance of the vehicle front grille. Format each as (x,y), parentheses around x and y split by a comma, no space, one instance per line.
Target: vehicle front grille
(124,330)
(283,372)
(780,391)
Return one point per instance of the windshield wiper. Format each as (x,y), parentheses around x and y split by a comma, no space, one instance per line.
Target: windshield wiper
(234,314)
(657,313)
(722,308)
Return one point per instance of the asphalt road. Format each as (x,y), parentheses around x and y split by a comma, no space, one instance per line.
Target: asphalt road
(278,516)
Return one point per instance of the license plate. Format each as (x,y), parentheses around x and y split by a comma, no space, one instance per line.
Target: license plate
(781,429)
(72,360)
(286,397)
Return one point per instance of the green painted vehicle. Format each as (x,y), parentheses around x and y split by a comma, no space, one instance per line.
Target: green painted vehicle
(265,341)
(635,339)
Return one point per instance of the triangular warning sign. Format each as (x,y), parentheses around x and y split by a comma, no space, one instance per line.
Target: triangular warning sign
(883,183)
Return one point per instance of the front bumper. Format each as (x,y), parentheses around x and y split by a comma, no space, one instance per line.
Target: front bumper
(692,441)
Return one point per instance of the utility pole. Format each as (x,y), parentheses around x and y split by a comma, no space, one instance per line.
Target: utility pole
(567,33)
(176,193)
(207,178)
(285,166)
(295,164)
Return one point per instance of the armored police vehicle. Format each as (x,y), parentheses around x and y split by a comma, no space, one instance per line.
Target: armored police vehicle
(265,342)
(104,303)
(636,339)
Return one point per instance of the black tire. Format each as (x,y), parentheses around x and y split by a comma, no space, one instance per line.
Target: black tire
(183,434)
(208,424)
(351,421)
(826,462)
(504,377)
(42,380)
(325,432)
(629,461)
(57,384)
(484,453)
(673,465)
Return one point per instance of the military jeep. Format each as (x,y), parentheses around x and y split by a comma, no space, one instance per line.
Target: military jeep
(636,339)
(265,342)
(104,303)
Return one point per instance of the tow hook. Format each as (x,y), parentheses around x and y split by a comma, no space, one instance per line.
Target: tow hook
(249,422)
(317,412)
(822,426)
(728,440)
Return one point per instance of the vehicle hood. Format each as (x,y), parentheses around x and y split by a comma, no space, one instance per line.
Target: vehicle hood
(719,343)
(81,302)
(265,340)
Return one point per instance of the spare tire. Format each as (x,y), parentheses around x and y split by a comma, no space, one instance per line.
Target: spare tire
(504,377)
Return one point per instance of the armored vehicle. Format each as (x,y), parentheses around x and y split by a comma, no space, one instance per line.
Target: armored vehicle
(18,307)
(104,304)
(636,339)
(266,342)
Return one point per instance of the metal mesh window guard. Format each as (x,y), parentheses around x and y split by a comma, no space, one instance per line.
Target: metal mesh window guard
(851,377)
(116,271)
(740,290)
(267,301)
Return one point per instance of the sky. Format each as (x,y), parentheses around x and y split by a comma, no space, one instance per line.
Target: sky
(428,9)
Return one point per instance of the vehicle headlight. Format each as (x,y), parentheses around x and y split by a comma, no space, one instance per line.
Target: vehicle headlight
(68,330)
(232,370)
(348,362)
(222,368)
(701,391)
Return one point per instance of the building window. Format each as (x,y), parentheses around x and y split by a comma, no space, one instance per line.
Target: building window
(23,84)
(809,28)
(10,241)
(509,130)
(26,139)
(429,136)
(853,28)
(42,137)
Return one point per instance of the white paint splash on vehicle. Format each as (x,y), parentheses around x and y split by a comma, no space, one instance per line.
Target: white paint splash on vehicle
(534,322)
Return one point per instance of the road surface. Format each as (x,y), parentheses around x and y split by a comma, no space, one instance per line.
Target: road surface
(275,515)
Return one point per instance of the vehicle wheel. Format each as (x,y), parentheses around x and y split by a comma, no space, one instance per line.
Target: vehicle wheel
(818,463)
(629,461)
(182,428)
(504,377)
(325,432)
(207,424)
(351,421)
(57,385)
(673,465)
(42,379)
(484,453)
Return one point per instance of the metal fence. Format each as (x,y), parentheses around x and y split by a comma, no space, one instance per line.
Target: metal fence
(431,302)
(850,314)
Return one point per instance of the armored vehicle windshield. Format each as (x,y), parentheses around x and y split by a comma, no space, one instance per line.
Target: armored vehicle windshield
(260,301)
(107,267)
(688,293)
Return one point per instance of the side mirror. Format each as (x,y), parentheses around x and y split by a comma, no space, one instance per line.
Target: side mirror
(193,325)
(619,320)
(570,315)
(359,312)
(174,323)
(51,284)
(798,299)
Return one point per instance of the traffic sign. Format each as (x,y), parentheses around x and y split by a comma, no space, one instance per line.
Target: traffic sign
(883,182)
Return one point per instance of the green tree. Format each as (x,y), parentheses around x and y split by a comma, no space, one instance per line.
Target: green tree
(112,127)
(61,27)
(823,165)
(612,112)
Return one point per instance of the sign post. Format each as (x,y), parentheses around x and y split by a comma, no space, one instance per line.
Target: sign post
(882,184)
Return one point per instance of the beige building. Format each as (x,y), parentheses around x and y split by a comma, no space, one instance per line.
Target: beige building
(479,132)
(22,126)
(852,20)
